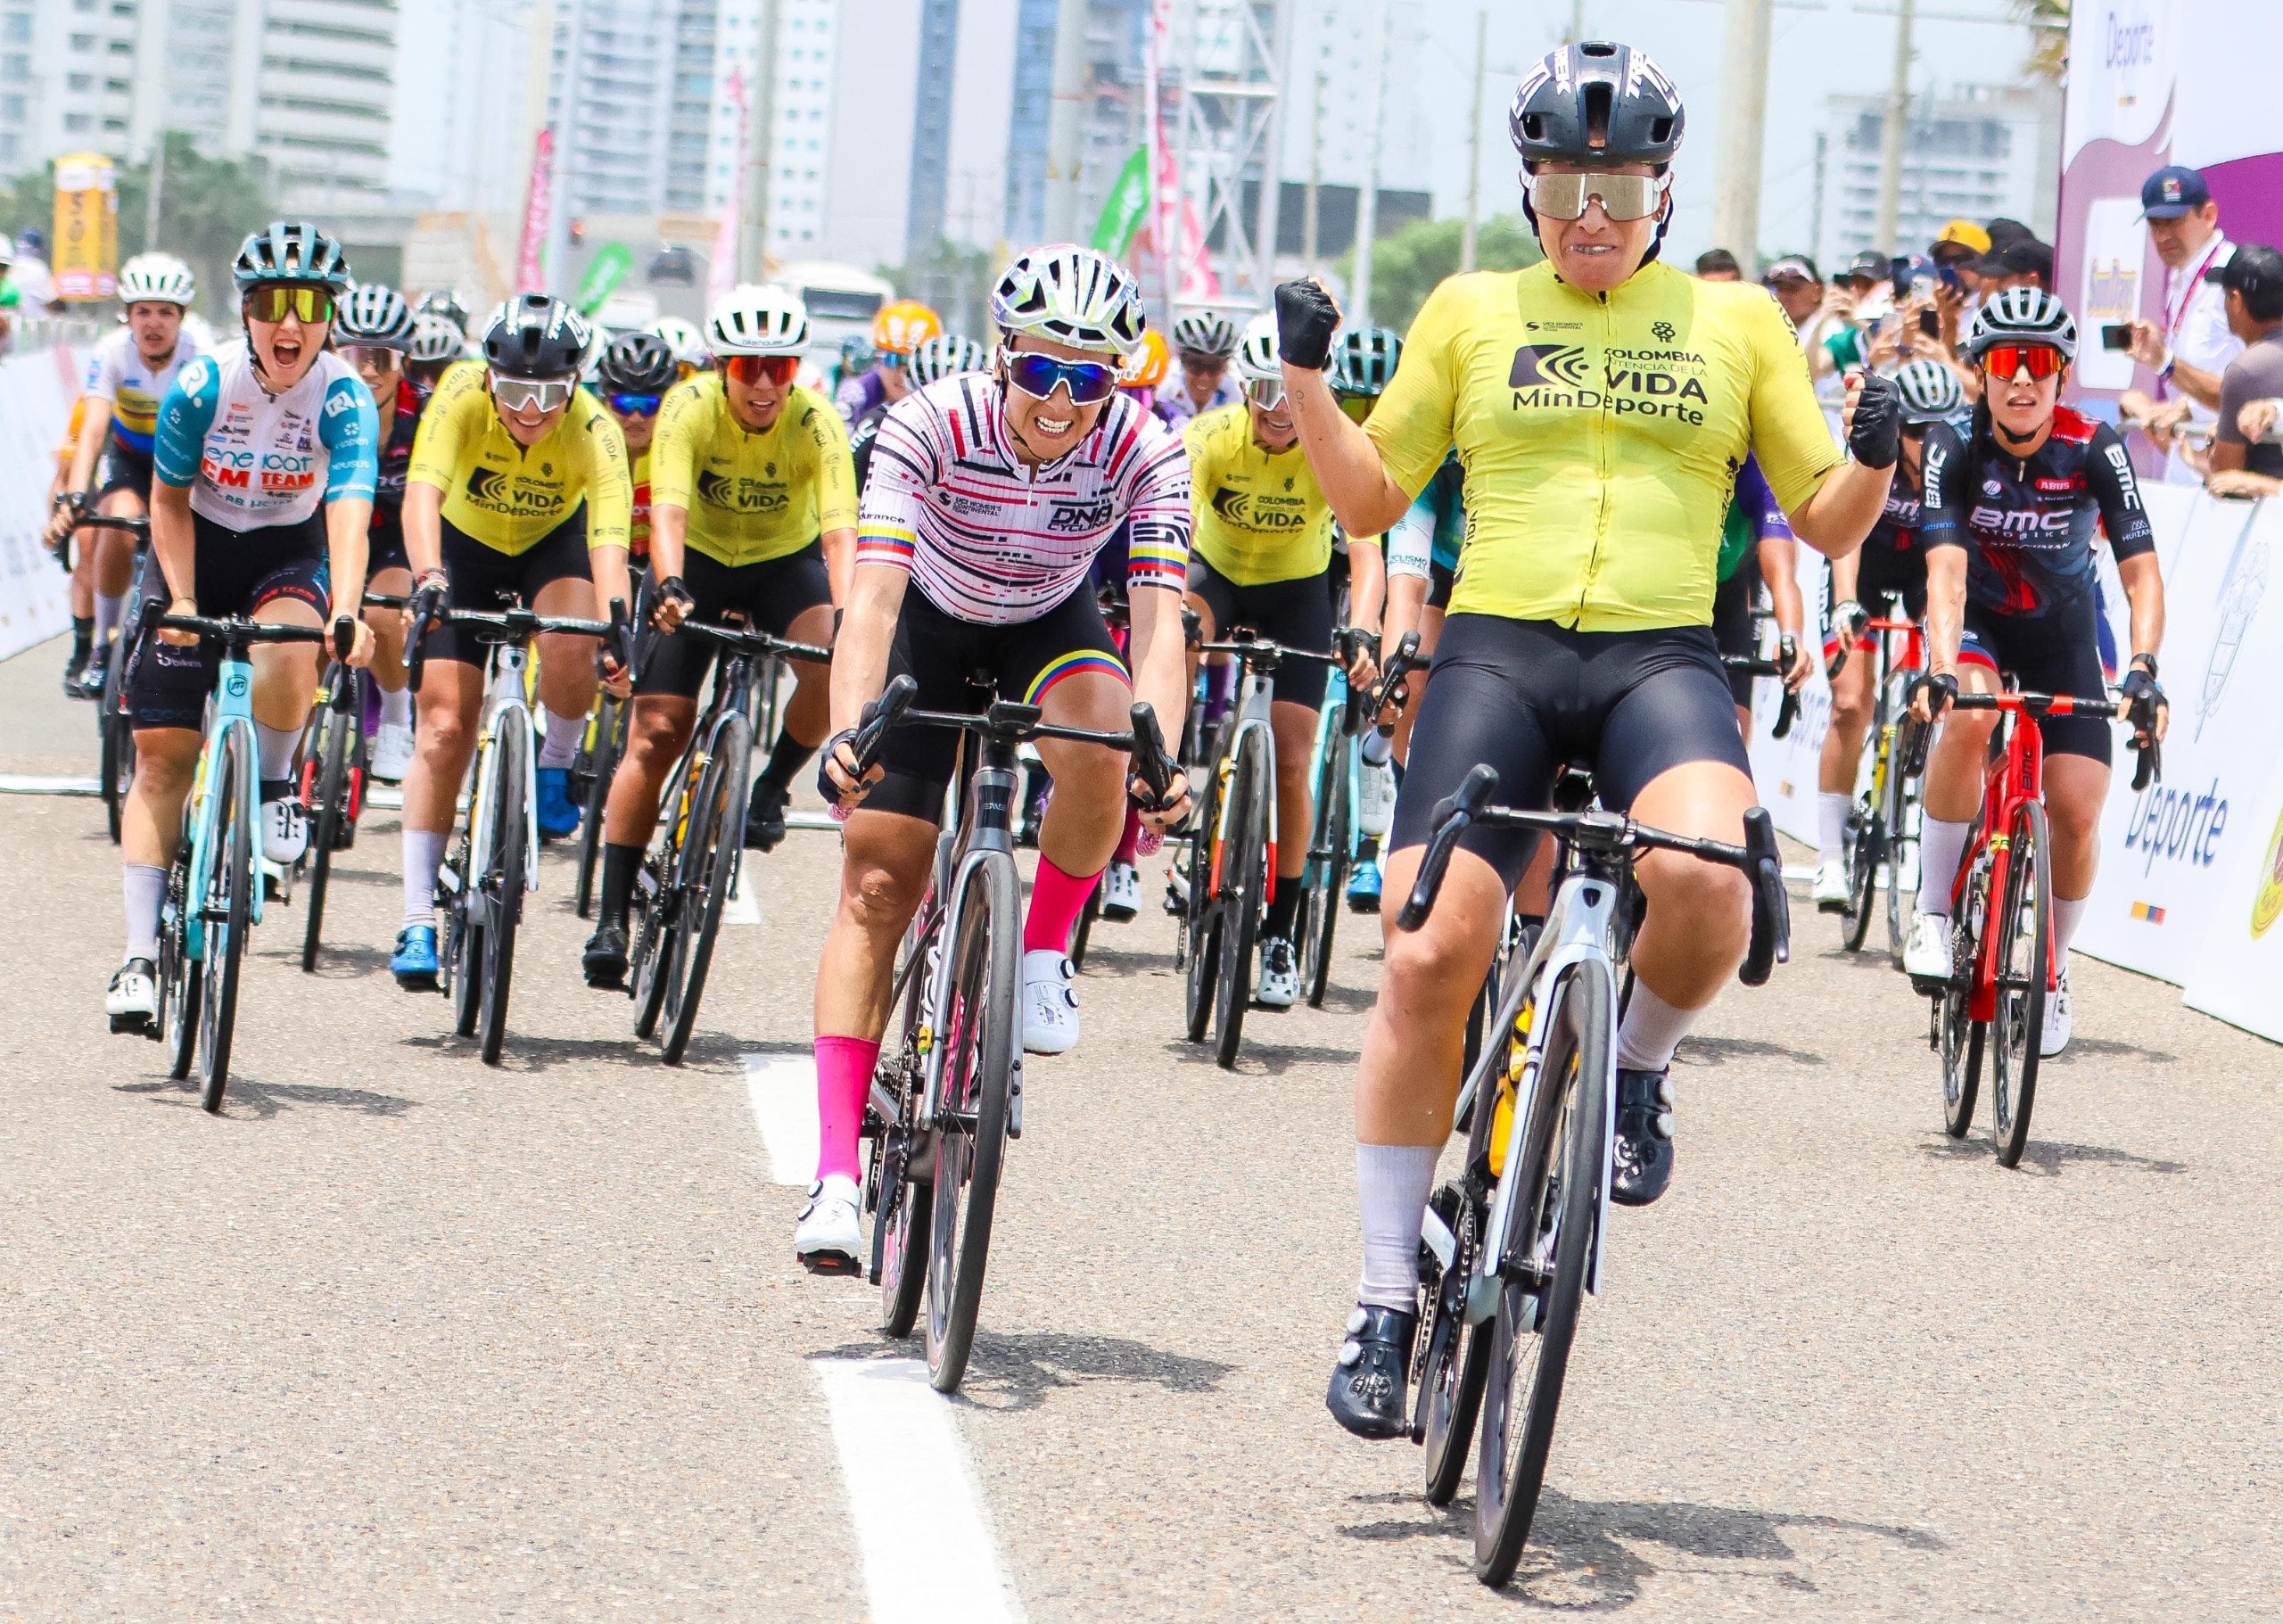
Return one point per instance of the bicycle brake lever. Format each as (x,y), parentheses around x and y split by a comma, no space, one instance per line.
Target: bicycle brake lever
(1452,818)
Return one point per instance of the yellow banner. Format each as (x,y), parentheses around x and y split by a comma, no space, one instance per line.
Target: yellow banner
(86,227)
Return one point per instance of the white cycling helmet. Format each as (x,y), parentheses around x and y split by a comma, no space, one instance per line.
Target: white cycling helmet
(1071,296)
(1931,391)
(688,343)
(156,279)
(434,338)
(750,319)
(2023,316)
(944,356)
(1205,333)
(1256,357)
(374,313)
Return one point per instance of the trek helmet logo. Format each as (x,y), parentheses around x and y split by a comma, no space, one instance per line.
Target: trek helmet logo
(1543,363)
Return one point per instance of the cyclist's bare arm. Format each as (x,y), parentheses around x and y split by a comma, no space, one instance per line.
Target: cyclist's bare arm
(860,659)
(95,427)
(1836,518)
(424,534)
(840,562)
(348,535)
(174,544)
(1945,616)
(668,533)
(1406,603)
(1345,461)
(1367,585)
(2144,589)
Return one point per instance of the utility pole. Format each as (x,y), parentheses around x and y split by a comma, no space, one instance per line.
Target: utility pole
(1308,218)
(158,187)
(562,192)
(1577,20)
(1897,130)
(1744,122)
(1268,213)
(1064,122)
(760,147)
(1367,205)
(1474,142)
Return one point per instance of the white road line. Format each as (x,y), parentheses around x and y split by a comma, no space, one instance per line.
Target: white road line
(743,906)
(928,1553)
(38,784)
(783,1088)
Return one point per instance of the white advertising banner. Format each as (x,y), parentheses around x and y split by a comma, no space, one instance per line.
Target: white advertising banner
(2239,970)
(36,395)
(1784,769)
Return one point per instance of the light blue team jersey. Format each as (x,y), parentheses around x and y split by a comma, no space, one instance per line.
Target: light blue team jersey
(252,459)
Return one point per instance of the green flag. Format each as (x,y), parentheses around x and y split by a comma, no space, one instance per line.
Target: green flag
(1122,209)
(604,272)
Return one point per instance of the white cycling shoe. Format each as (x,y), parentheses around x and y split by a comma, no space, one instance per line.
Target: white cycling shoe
(1280,975)
(285,831)
(1831,892)
(829,1236)
(1050,1008)
(391,752)
(2055,1038)
(1926,956)
(1376,798)
(1121,891)
(132,999)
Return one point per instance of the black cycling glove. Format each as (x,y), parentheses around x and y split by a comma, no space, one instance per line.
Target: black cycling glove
(1306,320)
(2143,698)
(826,787)
(429,601)
(672,587)
(1875,437)
(1940,688)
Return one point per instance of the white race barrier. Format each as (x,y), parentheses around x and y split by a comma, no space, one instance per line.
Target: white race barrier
(36,395)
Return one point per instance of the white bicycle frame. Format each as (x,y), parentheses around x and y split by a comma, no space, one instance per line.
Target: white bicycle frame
(504,706)
(1254,698)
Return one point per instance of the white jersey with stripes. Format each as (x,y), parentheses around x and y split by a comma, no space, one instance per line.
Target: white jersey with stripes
(990,539)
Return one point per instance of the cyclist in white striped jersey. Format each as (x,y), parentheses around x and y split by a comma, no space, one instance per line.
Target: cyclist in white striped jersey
(991,494)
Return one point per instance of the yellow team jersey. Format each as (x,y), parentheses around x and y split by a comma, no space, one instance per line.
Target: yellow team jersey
(508,496)
(1600,435)
(751,495)
(1258,515)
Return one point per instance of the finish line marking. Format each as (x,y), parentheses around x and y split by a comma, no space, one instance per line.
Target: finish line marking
(39,784)
(742,906)
(783,1089)
(920,1524)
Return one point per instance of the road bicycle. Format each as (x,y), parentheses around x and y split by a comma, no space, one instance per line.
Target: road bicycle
(1509,1249)
(602,745)
(690,868)
(2001,926)
(483,887)
(948,1093)
(214,890)
(114,727)
(1231,862)
(1881,830)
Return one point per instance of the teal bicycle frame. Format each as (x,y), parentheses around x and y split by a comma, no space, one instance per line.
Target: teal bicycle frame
(231,713)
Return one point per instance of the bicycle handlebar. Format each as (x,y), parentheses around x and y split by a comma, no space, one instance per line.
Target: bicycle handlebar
(1151,765)
(1758,858)
(1263,651)
(1391,688)
(2146,770)
(105,521)
(513,625)
(751,640)
(1788,711)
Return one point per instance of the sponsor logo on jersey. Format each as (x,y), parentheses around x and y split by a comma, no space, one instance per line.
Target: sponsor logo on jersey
(1074,518)
(1535,363)
(742,495)
(1250,510)
(2018,523)
(492,489)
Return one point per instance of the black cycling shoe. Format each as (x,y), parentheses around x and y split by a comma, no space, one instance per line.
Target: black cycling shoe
(605,959)
(765,816)
(1371,1382)
(1645,1137)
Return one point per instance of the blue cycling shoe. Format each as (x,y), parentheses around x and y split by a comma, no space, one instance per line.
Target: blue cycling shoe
(558,814)
(1363,888)
(414,962)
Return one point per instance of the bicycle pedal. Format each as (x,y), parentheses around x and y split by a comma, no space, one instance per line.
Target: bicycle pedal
(139,1025)
(1014,1102)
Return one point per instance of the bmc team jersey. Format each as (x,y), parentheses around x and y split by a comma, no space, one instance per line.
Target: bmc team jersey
(752,495)
(994,541)
(1601,433)
(136,389)
(511,496)
(1259,516)
(252,459)
(2028,523)
(396,456)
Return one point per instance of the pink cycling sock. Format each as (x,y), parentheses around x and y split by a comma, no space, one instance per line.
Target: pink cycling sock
(1128,843)
(843,1078)
(1057,900)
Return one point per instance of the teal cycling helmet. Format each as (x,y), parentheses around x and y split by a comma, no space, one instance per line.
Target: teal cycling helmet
(1363,362)
(294,253)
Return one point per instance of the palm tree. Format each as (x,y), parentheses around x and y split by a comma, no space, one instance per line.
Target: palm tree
(2050,49)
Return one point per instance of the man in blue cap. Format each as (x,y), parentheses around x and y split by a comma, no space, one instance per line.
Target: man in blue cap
(2191,346)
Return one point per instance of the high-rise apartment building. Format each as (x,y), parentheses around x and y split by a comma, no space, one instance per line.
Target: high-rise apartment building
(1975,153)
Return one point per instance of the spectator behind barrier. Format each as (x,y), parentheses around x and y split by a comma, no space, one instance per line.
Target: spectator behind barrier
(2192,344)
(2251,283)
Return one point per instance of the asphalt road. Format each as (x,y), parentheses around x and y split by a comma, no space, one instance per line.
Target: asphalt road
(401,1336)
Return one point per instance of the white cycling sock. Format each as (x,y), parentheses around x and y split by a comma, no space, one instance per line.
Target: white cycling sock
(146,893)
(275,747)
(396,708)
(562,740)
(2068,913)
(109,607)
(1831,807)
(1941,845)
(423,854)
(1650,1030)
(1392,1182)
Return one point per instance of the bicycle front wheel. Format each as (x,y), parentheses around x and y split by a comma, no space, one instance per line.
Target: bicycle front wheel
(709,863)
(1327,870)
(981,1025)
(1243,878)
(180,995)
(117,766)
(1200,947)
(1957,1032)
(1542,1271)
(597,761)
(2024,959)
(335,728)
(903,1199)
(228,909)
(502,889)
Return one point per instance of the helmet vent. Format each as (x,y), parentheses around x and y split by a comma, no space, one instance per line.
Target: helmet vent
(1598,99)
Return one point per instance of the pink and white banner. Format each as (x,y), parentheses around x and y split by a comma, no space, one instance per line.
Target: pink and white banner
(530,255)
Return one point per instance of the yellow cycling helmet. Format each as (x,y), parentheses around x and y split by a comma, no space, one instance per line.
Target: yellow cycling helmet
(1146,366)
(901,327)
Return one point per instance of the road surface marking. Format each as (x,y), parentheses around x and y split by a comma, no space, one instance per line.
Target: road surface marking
(925,1539)
(38,784)
(783,1088)
(744,905)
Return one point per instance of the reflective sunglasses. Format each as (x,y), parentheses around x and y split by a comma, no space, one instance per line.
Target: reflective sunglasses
(751,369)
(1039,375)
(380,358)
(1623,197)
(2009,361)
(272,301)
(527,394)
(1266,394)
(633,406)
(890,360)
(1358,407)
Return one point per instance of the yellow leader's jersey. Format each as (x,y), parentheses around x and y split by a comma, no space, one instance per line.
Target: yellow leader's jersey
(752,495)
(1257,515)
(510,497)
(1600,435)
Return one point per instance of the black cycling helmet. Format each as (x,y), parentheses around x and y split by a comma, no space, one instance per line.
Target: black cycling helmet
(534,337)
(446,303)
(638,363)
(1364,359)
(293,253)
(1597,102)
